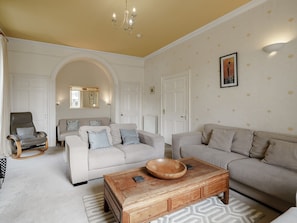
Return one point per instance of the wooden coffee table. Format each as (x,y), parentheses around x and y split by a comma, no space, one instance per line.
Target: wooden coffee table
(135,202)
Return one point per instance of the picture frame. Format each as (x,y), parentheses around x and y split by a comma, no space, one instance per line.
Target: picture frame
(228,70)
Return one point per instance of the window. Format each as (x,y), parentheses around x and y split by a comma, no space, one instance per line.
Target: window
(84,97)
(74,99)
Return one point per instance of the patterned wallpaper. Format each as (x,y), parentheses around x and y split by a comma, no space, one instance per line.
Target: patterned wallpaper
(266,97)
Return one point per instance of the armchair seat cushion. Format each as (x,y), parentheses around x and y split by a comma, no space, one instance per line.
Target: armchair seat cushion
(33,141)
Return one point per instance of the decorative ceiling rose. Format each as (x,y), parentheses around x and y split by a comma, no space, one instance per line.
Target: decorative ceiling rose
(128,20)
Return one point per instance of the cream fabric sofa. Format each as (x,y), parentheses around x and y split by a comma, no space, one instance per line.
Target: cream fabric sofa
(289,216)
(86,164)
(70,126)
(262,165)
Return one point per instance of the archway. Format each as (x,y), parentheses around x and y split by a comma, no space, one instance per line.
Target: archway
(102,66)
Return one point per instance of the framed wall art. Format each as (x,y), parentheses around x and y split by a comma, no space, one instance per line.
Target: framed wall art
(228,70)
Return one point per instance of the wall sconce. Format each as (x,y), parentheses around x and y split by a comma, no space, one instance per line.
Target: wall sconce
(57,103)
(152,90)
(273,47)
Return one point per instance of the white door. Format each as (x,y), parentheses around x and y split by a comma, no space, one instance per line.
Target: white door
(130,109)
(175,106)
(31,94)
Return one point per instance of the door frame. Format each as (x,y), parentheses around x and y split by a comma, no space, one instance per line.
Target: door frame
(187,75)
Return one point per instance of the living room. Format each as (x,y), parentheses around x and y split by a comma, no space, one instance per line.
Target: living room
(265,98)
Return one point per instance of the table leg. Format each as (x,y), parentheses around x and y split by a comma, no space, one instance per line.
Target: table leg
(226,197)
(106,207)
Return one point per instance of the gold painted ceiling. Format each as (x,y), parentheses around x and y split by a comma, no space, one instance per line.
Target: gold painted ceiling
(87,23)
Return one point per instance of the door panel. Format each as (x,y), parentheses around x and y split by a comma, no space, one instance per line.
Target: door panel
(130,111)
(31,94)
(175,112)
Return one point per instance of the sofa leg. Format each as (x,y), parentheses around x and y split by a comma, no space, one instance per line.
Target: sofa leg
(80,183)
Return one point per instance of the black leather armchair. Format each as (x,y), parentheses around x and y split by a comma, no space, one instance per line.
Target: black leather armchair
(23,135)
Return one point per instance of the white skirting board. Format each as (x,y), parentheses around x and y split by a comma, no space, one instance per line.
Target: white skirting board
(150,123)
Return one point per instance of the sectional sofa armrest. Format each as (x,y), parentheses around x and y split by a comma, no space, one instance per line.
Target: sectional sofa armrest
(181,139)
(77,156)
(154,140)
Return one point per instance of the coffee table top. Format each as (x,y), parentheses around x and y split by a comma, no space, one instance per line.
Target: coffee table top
(127,191)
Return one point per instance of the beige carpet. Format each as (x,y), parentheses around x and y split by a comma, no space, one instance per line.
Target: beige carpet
(38,190)
(211,210)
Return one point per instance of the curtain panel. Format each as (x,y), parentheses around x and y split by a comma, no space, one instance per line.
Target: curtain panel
(4,99)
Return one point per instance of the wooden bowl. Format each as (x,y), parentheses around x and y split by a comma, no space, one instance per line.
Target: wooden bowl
(166,168)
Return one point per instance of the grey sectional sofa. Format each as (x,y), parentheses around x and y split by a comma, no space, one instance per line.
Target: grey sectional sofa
(100,150)
(262,165)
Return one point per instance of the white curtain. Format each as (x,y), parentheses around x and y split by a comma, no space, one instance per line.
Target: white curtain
(4,99)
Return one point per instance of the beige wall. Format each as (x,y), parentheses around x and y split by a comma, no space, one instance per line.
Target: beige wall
(266,98)
(46,62)
(84,74)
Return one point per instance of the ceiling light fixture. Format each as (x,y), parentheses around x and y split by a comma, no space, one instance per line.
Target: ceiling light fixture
(129,18)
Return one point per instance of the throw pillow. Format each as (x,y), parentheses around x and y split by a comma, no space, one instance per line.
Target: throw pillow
(72,125)
(84,135)
(115,131)
(221,139)
(95,123)
(98,140)
(129,136)
(25,133)
(282,153)
(260,145)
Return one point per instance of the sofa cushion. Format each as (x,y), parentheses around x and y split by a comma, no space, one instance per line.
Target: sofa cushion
(71,133)
(98,139)
(86,121)
(138,152)
(129,136)
(276,181)
(115,131)
(242,141)
(106,157)
(83,132)
(214,156)
(282,153)
(221,139)
(261,142)
(95,123)
(62,124)
(72,125)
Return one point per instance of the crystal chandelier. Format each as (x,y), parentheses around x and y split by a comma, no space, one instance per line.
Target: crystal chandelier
(129,18)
